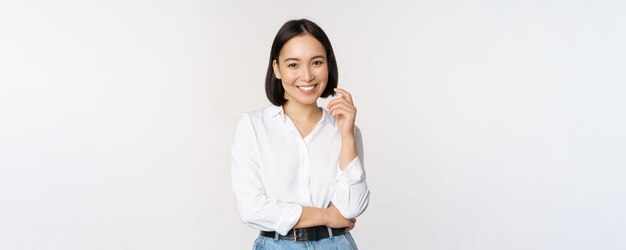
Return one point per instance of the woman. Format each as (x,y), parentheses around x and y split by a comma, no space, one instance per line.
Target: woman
(297,169)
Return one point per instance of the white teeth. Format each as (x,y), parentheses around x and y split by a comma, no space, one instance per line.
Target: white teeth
(306,88)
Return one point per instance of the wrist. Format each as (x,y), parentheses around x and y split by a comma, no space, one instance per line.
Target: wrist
(325,216)
(347,136)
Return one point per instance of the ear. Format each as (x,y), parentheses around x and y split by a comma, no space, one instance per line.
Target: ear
(276,70)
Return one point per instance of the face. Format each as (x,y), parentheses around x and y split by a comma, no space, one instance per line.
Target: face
(302,67)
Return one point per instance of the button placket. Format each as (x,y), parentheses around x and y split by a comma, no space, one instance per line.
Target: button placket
(305,164)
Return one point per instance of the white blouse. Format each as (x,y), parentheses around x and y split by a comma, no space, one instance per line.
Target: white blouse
(274,170)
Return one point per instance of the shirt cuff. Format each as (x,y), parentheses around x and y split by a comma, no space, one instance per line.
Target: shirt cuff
(289,219)
(352,174)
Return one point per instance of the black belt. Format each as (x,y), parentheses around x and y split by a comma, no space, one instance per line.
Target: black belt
(306,234)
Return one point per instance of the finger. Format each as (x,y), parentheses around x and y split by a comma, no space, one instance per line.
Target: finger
(343,112)
(339,100)
(342,105)
(339,107)
(351,227)
(342,109)
(344,94)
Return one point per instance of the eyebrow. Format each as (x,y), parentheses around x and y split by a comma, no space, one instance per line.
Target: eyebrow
(296,59)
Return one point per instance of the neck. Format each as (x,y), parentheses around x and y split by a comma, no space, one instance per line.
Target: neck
(301,112)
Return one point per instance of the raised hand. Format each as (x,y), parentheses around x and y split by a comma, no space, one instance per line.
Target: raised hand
(344,111)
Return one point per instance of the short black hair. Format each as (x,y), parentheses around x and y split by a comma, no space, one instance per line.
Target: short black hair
(273,86)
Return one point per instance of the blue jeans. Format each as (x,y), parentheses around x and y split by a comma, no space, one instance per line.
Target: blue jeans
(341,242)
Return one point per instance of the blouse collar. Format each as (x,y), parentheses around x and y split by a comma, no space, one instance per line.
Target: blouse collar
(274,111)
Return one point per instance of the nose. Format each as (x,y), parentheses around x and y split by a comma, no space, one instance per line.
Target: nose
(307,75)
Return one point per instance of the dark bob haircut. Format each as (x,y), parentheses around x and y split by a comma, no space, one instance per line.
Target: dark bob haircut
(273,86)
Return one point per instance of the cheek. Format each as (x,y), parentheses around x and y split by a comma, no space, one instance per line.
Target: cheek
(322,74)
(291,74)
(288,77)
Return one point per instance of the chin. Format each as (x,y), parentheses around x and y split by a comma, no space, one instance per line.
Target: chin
(307,101)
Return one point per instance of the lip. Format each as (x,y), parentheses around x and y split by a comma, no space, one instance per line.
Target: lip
(308,91)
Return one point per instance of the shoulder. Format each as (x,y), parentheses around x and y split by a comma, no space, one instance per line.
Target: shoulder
(259,115)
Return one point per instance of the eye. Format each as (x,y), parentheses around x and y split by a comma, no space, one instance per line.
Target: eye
(317,63)
(292,65)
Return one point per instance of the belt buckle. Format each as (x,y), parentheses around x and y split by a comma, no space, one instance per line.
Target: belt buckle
(295,234)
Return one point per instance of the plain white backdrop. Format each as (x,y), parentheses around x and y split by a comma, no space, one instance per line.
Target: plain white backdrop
(487,124)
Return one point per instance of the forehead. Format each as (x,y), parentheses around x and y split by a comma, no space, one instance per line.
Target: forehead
(302,46)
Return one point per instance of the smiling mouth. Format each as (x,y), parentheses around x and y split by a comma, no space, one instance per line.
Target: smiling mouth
(307,89)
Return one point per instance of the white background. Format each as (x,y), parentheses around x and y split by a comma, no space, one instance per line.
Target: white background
(487,124)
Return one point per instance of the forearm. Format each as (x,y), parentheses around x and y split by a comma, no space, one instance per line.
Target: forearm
(311,217)
(351,194)
(348,151)
(330,217)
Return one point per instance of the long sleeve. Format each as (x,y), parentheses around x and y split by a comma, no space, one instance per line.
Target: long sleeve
(256,209)
(351,195)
